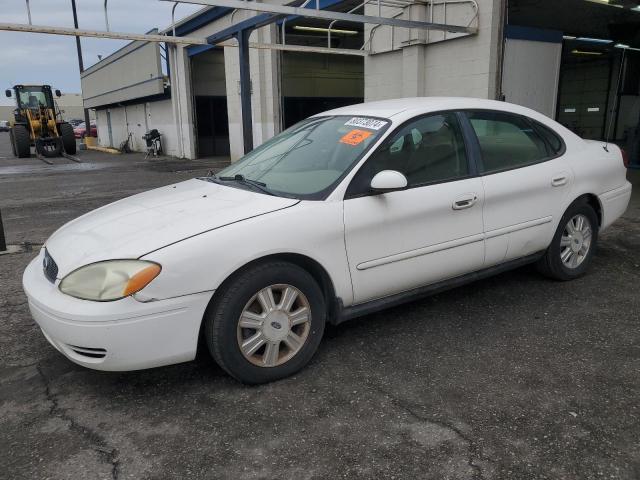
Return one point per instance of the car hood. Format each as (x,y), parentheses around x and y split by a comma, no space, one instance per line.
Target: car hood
(140,224)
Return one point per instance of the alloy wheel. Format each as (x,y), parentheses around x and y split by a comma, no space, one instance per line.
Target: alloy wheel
(575,242)
(274,325)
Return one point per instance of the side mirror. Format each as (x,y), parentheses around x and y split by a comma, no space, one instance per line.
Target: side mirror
(388,181)
(7,93)
(58,93)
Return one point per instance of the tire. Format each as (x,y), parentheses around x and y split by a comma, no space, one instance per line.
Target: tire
(552,264)
(13,144)
(22,141)
(68,138)
(237,296)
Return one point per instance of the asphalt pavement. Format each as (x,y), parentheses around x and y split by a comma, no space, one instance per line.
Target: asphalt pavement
(516,376)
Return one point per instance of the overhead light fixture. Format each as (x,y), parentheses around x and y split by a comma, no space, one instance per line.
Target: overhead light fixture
(568,37)
(606,2)
(636,8)
(324,30)
(624,46)
(594,40)
(585,52)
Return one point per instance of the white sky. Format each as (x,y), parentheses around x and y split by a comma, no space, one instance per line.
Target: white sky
(52,59)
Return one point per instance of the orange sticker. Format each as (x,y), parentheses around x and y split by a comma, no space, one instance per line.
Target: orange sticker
(355,137)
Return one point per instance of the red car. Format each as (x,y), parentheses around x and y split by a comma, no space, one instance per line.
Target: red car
(80,130)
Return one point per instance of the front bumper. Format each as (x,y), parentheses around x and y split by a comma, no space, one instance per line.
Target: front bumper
(117,336)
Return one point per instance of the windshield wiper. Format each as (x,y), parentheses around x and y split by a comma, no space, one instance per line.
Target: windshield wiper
(247,181)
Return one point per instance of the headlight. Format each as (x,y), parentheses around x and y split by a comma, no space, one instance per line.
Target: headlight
(110,280)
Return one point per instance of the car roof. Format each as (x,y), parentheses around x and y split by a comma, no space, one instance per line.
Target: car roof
(402,108)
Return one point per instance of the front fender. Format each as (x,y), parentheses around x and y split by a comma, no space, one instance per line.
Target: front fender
(201,263)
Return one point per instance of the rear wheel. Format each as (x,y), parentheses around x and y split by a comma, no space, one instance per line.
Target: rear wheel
(22,142)
(266,323)
(68,138)
(573,245)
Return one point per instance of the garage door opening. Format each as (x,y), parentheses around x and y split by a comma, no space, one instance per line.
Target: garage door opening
(209,89)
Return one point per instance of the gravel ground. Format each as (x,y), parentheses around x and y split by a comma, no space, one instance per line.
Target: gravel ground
(512,377)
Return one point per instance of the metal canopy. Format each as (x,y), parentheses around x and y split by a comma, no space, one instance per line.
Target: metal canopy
(330,15)
(19,27)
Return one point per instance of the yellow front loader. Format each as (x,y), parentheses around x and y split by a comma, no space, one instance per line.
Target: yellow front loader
(35,123)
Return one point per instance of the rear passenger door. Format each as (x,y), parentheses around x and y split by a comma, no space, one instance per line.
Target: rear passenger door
(525,179)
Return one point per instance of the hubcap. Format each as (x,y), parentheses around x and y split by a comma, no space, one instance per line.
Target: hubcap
(274,325)
(575,241)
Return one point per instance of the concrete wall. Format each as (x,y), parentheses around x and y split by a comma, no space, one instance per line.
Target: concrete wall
(407,63)
(138,119)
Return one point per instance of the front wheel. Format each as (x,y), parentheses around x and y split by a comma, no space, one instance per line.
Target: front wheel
(266,323)
(68,138)
(21,141)
(573,245)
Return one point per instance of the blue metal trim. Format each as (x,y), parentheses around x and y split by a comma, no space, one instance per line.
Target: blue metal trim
(201,20)
(252,23)
(248,24)
(323,4)
(517,32)
(196,49)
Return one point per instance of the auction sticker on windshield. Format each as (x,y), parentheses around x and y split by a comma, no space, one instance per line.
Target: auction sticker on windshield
(355,137)
(370,123)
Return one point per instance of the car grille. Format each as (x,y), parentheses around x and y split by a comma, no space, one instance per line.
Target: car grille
(49,267)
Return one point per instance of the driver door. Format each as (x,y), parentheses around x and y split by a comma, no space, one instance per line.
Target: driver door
(428,232)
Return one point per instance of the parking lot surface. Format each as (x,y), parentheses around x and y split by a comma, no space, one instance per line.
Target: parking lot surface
(516,376)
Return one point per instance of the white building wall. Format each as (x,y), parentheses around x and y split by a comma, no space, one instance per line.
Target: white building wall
(138,119)
(406,63)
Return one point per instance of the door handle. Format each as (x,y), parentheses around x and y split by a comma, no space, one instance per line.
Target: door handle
(558,181)
(465,201)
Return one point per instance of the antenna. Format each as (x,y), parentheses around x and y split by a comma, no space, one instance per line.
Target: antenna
(617,98)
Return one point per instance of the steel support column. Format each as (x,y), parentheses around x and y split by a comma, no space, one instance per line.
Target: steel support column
(87,120)
(245,89)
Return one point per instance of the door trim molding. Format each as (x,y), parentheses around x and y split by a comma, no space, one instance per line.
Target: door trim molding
(438,247)
(458,242)
(347,313)
(518,226)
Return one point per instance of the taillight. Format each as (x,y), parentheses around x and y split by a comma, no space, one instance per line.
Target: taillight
(625,158)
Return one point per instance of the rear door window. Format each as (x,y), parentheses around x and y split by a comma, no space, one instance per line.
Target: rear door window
(507,140)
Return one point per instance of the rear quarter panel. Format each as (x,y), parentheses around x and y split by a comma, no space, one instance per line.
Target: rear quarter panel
(601,171)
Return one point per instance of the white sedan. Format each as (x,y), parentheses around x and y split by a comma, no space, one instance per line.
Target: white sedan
(348,212)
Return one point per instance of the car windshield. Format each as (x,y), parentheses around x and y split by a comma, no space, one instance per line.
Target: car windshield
(308,159)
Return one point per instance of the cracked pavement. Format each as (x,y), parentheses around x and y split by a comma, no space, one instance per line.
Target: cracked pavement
(515,376)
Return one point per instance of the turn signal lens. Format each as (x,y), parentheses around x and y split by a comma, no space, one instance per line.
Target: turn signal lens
(141,279)
(110,280)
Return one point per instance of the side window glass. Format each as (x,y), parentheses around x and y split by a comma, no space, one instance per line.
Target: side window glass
(553,139)
(427,150)
(506,141)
